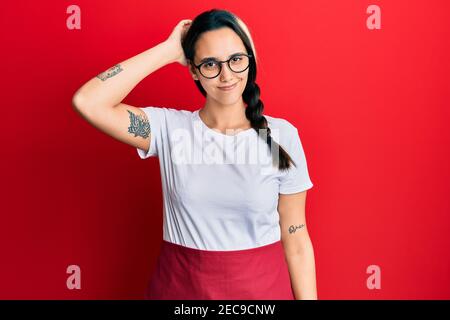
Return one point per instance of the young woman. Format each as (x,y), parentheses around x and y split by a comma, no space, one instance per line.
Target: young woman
(232,229)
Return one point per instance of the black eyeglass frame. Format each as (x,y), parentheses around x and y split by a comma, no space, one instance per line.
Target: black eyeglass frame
(220,64)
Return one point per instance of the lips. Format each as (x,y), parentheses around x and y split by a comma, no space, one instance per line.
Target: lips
(228,87)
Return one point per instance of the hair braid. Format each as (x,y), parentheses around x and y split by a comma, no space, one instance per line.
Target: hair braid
(254,113)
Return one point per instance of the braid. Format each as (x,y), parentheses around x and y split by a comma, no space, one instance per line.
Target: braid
(254,113)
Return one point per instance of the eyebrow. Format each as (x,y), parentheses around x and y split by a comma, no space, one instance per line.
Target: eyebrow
(214,58)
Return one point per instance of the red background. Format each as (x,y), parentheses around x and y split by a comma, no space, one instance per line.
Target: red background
(371,106)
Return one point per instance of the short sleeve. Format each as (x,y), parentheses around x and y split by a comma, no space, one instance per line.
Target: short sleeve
(157,120)
(296,179)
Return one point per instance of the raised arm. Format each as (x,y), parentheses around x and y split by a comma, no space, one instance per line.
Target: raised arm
(99,101)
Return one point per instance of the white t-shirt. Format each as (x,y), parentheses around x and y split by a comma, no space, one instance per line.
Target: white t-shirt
(219,192)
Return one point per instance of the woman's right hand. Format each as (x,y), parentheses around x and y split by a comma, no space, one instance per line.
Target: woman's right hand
(176,37)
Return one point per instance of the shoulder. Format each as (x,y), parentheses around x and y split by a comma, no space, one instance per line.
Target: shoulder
(168,113)
(277,122)
(169,110)
(281,129)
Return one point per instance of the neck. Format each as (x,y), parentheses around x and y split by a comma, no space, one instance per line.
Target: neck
(222,117)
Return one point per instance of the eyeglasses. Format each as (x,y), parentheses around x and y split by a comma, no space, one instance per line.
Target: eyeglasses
(212,68)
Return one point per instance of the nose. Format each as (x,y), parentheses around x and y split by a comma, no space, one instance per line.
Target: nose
(226,72)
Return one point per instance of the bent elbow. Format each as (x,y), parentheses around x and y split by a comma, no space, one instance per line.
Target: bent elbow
(78,101)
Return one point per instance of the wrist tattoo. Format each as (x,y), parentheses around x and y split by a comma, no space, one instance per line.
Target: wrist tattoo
(111,72)
(293,228)
(139,126)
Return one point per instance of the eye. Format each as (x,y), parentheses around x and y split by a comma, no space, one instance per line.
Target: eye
(238,57)
(208,64)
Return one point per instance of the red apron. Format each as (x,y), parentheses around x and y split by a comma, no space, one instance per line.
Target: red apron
(184,273)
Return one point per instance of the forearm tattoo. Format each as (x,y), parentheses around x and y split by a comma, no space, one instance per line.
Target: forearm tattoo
(293,228)
(111,72)
(139,126)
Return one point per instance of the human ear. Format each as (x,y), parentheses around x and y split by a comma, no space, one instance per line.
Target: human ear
(192,70)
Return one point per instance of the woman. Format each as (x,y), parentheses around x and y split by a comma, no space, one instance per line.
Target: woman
(231,230)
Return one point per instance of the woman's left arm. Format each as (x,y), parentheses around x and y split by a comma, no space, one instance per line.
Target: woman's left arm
(297,245)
